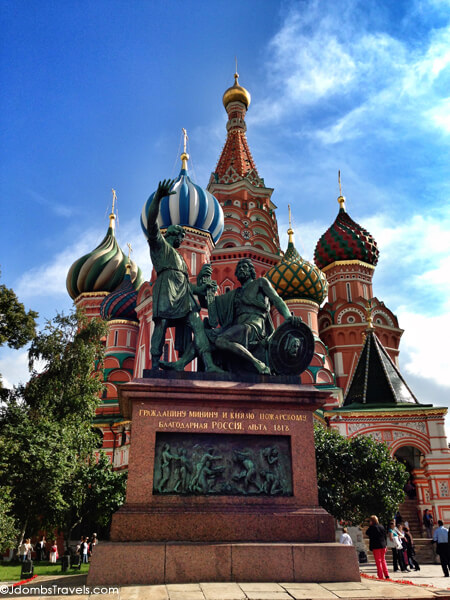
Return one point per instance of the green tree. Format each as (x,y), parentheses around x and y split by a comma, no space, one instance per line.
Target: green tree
(93,493)
(8,530)
(357,477)
(46,425)
(17,327)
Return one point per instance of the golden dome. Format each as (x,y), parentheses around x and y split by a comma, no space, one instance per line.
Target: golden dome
(236,93)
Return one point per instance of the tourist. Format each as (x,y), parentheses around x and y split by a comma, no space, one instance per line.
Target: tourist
(377,544)
(394,542)
(94,542)
(428,523)
(398,518)
(25,550)
(441,538)
(84,549)
(410,552)
(345,538)
(40,549)
(54,552)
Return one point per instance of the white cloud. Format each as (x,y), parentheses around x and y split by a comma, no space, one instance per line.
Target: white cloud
(13,367)
(423,343)
(440,115)
(364,79)
(50,277)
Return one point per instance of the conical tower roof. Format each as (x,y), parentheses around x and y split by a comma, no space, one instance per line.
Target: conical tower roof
(377,381)
(236,161)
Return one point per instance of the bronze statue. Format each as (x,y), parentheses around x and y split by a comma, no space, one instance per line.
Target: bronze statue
(247,328)
(173,296)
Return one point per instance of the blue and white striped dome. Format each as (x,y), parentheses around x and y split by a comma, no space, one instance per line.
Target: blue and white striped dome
(191,206)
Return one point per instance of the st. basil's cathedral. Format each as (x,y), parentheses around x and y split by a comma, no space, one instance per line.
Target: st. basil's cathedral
(356,347)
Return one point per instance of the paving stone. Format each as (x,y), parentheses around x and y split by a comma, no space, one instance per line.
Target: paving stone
(181,595)
(222,591)
(183,587)
(304,586)
(268,596)
(311,594)
(144,592)
(261,587)
(344,585)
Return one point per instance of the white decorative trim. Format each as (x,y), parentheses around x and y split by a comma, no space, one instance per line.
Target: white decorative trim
(350,309)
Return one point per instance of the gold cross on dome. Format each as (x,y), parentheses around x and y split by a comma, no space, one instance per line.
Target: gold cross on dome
(130,250)
(114,195)
(185,139)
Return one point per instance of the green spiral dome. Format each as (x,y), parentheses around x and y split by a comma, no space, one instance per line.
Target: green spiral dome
(297,279)
(103,269)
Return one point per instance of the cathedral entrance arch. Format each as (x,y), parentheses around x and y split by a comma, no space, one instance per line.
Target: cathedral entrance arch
(410,456)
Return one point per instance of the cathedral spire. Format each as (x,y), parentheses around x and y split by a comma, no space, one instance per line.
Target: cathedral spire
(185,156)
(341,198)
(236,161)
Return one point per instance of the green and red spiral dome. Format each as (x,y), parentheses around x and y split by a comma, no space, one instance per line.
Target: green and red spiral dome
(345,240)
(121,304)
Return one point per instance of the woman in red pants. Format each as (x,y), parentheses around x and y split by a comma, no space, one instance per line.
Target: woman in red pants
(377,543)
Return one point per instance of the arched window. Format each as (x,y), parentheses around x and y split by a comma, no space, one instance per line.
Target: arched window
(193,264)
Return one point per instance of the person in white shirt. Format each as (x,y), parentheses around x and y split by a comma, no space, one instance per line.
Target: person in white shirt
(345,538)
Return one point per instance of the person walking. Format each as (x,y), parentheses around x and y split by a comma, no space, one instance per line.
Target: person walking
(377,544)
(440,536)
(410,552)
(428,523)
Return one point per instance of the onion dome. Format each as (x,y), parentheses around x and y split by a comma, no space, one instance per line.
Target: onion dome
(345,240)
(121,304)
(295,278)
(190,206)
(236,93)
(103,269)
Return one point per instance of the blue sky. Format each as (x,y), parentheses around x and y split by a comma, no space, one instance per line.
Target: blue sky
(94,96)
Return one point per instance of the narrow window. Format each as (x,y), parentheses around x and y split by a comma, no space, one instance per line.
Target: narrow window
(116,338)
(349,292)
(193,264)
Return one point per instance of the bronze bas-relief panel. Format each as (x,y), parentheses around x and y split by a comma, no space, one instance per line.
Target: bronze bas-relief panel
(222,465)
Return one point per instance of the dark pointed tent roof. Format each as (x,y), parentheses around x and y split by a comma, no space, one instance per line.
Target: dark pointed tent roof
(377,382)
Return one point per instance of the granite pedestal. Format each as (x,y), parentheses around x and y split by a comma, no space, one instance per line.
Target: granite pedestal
(247,514)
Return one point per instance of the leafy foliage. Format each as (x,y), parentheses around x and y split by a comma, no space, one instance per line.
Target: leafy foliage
(48,459)
(17,327)
(357,477)
(8,530)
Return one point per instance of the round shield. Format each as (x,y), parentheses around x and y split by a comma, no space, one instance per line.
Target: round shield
(291,348)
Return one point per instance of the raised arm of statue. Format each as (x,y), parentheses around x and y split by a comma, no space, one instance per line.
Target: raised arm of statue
(153,211)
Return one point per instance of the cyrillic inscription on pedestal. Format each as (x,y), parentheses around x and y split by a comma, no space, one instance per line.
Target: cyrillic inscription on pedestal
(222,464)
